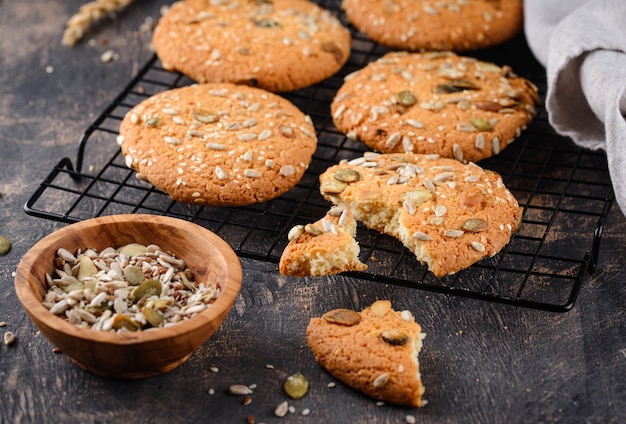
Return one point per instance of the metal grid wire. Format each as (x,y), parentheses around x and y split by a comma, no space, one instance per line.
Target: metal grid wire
(565,192)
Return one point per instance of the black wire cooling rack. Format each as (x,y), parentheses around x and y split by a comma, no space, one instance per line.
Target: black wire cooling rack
(565,192)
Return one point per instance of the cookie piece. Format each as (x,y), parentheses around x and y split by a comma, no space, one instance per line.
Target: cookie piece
(218,144)
(278,45)
(450,215)
(322,248)
(441,103)
(374,351)
(430,25)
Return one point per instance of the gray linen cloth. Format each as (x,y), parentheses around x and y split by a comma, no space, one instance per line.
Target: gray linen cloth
(582,44)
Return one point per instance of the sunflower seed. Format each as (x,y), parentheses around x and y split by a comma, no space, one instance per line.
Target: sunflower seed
(282,409)
(381,380)
(239,390)
(9,338)
(479,247)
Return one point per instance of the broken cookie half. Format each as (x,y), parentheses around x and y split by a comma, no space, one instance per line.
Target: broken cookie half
(325,247)
(374,351)
(449,214)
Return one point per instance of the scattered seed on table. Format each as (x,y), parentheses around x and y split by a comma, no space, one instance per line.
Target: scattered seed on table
(214,369)
(282,409)
(296,386)
(239,390)
(5,245)
(9,338)
(3,323)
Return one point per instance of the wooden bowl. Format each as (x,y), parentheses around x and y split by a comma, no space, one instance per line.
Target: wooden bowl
(141,353)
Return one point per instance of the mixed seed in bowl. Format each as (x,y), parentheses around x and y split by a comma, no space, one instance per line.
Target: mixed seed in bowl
(131,288)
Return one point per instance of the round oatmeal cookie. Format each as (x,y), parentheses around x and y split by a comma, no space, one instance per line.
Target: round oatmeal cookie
(374,351)
(278,45)
(434,103)
(325,247)
(418,25)
(449,214)
(218,144)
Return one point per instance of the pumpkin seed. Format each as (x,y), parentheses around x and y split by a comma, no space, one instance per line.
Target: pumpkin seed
(152,122)
(487,67)
(86,268)
(133,249)
(347,175)
(186,283)
(345,317)
(487,105)
(394,337)
(332,48)
(313,230)
(5,245)
(123,321)
(480,124)
(417,197)
(155,318)
(296,386)
(380,307)
(205,116)
(146,289)
(134,275)
(267,23)
(406,98)
(332,187)
(455,86)
(474,225)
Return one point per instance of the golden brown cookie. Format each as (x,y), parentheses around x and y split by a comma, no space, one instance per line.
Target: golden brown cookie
(218,144)
(278,45)
(441,103)
(450,215)
(374,351)
(418,25)
(322,248)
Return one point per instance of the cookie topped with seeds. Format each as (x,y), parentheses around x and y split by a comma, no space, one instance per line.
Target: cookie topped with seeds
(218,144)
(418,25)
(374,351)
(434,103)
(278,45)
(324,247)
(449,214)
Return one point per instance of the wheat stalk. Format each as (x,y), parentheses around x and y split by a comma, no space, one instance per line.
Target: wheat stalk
(89,13)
